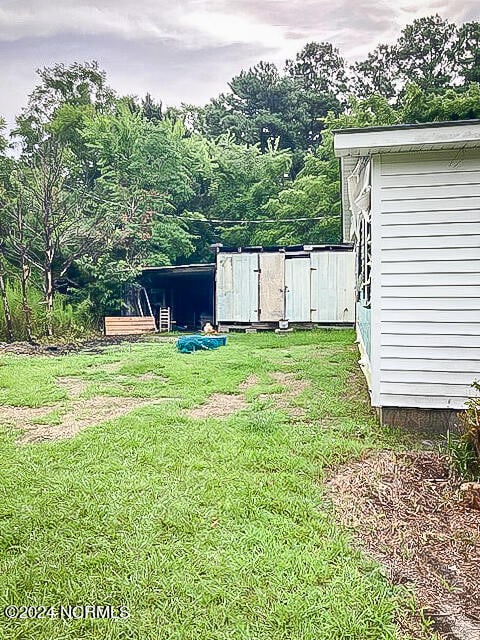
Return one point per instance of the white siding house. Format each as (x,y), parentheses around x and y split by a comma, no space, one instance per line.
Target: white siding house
(418,237)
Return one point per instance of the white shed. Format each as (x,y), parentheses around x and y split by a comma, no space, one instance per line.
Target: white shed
(309,285)
(414,214)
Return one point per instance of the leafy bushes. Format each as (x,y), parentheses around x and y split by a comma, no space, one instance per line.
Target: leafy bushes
(69,321)
(463,448)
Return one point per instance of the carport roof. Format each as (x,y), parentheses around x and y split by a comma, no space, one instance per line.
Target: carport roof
(189,269)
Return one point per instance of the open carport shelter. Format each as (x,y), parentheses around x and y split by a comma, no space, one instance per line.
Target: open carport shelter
(257,287)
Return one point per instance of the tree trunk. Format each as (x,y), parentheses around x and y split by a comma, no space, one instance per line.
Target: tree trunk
(48,260)
(6,307)
(48,285)
(25,270)
(25,307)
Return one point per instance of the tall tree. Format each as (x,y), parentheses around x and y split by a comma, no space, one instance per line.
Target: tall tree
(469,51)
(264,106)
(425,53)
(319,68)
(243,180)
(378,73)
(259,108)
(145,182)
(308,208)
(152,110)
(61,227)
(5,168)
(418,105)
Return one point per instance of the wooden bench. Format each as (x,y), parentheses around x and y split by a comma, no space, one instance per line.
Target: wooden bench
(129,325)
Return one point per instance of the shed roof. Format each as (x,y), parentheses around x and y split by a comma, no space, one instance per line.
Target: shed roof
(460,134)
(182,269)
(286,248)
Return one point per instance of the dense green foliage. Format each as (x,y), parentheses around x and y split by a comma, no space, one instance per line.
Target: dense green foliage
(102,184)
(69,319)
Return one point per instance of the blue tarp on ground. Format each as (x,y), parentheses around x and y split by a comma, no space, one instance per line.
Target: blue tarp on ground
(189,344)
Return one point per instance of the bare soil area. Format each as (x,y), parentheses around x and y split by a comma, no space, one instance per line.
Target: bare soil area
(220,405)
(407,512)
(293,387)
(65,419)
(80,415)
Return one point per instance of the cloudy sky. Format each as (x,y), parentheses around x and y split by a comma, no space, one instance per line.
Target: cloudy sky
(187,50)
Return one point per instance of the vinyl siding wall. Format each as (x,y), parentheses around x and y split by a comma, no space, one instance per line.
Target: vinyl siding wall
(426,278)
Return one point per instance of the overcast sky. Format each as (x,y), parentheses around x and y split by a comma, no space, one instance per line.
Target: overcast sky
(187,50)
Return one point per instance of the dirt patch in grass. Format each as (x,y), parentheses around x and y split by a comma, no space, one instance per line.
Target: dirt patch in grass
(293,387)
(20,417)
(219,405)
(107,367)
(148,377)
(406,511)
(248,383)
(73,386)
(68,420)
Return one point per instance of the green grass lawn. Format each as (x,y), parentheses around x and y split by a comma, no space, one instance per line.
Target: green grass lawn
(205,528)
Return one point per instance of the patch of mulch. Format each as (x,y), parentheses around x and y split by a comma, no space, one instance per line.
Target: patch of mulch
(407,512)
(90,345)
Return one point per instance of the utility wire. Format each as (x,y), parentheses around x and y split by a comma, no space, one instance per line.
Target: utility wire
(265,221)
(209,220)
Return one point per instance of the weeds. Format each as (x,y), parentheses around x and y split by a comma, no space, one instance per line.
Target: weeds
(463,447)
(68,321)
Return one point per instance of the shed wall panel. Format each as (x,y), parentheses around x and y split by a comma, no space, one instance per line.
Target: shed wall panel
(427,243)
(237,287)
(333,286)
(272,286)
(314,286)
(298,289)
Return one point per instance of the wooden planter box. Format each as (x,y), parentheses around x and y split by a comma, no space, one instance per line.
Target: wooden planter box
(129,325)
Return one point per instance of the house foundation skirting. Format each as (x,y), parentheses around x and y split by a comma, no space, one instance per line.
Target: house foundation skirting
(433,420)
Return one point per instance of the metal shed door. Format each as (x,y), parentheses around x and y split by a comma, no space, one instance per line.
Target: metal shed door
(237,287)
(297,289)
(333,295)
(272,286)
